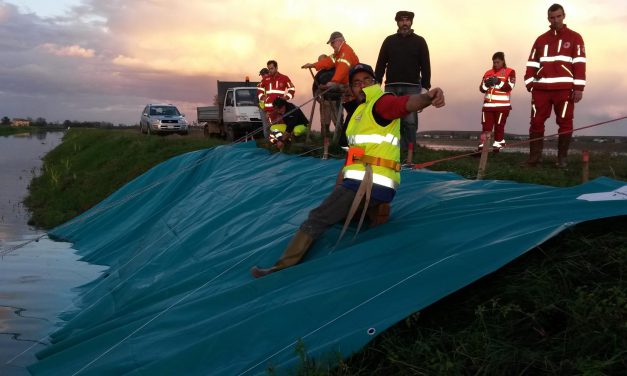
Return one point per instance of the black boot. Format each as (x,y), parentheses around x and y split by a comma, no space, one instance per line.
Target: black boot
(563,143)
(295,251)
(535,149)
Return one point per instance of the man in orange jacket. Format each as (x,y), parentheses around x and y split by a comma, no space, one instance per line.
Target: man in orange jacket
(343,59)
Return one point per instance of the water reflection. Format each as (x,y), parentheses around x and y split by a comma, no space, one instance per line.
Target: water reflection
(36,278)
(20,160)
(36,283)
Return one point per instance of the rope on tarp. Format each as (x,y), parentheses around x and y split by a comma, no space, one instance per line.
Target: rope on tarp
(509,145)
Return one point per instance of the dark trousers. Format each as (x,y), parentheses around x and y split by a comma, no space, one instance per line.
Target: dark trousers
(333,210)
(409,124)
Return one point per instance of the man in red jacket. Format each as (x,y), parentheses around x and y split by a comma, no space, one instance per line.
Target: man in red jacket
(272,86)
(556,77)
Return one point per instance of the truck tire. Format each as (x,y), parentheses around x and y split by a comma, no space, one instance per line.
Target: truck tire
(230,133)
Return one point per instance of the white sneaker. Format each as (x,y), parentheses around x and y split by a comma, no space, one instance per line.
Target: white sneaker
(498,144)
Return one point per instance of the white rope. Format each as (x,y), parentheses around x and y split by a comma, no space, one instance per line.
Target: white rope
(18,246)
(93,214)
(98,285)
(347,312)
(162,312)
(140,251)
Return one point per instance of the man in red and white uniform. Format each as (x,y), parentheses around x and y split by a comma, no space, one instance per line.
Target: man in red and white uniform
(556,77)
(497,83)
(272,86)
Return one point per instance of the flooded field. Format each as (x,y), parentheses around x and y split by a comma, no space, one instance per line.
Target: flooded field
(36,277)
(521,146)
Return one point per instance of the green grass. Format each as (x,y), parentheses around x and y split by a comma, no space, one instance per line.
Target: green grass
(561,309)
(506,166)
(91,164)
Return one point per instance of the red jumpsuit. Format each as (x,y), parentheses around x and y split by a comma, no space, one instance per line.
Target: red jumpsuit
(556,67)
(496,103)
(272,87)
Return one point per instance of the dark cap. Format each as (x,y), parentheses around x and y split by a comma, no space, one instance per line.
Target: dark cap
(334,35)
(404,14)
(279,102)
(360,68)
(264,71)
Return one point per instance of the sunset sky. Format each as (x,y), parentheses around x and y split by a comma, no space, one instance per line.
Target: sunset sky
(103,60)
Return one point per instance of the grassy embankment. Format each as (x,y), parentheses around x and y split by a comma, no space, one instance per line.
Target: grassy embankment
(91,164)
(560,309)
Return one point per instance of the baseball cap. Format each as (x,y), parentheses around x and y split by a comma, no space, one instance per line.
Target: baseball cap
(360,68)
(334,35)
(402,14)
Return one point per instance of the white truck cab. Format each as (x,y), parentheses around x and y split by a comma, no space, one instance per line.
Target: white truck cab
(241,113)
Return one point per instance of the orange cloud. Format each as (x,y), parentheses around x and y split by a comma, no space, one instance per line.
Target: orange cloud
(73,50)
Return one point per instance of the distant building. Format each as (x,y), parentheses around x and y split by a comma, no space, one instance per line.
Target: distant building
(15,122)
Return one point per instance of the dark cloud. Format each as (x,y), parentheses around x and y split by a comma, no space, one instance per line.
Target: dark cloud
(35,82)
(154,51)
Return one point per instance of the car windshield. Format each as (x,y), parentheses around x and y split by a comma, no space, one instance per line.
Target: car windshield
(164,111)
(246,97)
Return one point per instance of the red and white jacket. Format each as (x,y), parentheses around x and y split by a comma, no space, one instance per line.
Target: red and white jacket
(497,97)
(272,87)
(557,62)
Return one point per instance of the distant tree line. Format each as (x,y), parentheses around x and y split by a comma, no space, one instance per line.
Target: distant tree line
(41,122)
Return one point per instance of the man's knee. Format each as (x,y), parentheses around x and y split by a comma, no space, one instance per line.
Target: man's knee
(536,127)
(378,214)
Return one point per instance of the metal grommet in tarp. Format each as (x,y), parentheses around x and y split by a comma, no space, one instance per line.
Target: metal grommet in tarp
(371,331)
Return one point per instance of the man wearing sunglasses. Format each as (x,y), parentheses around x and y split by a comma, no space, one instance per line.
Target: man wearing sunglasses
(372,164)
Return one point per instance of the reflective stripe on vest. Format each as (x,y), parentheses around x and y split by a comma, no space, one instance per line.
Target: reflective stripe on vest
(373,139)
(494,97)
(376,178)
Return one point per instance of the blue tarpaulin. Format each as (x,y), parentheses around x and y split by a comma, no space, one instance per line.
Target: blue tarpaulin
(180,240)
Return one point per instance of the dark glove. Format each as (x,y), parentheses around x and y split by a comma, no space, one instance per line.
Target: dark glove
(491,81)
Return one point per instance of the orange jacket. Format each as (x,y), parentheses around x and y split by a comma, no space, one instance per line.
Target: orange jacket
(497,97)
(342,61)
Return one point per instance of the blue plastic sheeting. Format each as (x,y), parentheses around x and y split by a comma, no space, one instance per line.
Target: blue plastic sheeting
(180,240)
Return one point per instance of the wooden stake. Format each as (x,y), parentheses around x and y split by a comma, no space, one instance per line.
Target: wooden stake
(585,166)
(487,145)
(313,108)
(410,154)
(339,125)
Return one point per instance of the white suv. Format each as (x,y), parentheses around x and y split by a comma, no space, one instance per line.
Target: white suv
(163,118)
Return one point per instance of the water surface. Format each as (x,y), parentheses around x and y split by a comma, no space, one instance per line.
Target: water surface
(37,275)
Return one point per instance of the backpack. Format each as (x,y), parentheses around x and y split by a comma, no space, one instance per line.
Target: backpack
(323,77)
